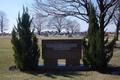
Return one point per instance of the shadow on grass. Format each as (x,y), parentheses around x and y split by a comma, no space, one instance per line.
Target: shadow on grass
(117,47)
(112,70)
(54,74)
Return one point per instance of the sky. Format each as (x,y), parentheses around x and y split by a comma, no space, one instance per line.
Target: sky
(13,7)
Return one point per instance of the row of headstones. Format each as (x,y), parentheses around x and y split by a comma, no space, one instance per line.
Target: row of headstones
(69,35)
(7,34)
(52,34)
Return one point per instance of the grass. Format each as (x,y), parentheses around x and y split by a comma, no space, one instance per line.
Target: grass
(7,60)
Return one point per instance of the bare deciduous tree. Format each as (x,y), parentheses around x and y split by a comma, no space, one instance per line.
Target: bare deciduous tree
(40,23)
(3,22)
(116,19)
(57,23)
(78,8)
(72,26)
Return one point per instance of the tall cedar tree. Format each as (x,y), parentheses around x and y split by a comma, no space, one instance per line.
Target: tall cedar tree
(25,47)
(94,56)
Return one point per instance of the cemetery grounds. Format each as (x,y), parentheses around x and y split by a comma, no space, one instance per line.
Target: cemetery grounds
(7,60)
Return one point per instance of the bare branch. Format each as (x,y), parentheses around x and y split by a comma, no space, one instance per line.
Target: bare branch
(110,4)
(110,16)
(39,22)
(58,23)
(78,8)
(64,7)
(72,26)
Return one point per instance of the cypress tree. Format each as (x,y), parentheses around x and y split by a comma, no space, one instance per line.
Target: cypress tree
(96,57)
(25,47)
(89,48)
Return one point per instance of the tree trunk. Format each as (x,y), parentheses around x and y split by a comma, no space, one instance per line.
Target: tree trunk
(72,31)
(2,28)
(102,27)
(102,17)
(38,32)
(59,31)
(103,63)
(117,31)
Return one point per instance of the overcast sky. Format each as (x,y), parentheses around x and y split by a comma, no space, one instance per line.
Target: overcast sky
(12,7)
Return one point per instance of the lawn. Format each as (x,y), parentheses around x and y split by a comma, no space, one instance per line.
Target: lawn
(7,60)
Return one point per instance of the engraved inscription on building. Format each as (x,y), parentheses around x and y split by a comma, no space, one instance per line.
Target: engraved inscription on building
(61,46)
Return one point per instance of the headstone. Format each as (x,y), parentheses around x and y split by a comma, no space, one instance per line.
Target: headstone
(45,35)
(64,35)
(78,35)
(9,34)
(70,36)
(75,34)
(58,35)
(52,50)
(42,34)
(52,35)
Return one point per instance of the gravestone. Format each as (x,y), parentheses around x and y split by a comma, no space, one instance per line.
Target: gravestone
(52,35)
(70,36)
(45,35)
(52,50)
(58,35)
(75,34)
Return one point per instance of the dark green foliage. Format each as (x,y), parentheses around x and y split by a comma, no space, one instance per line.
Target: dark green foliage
(26,50)
(96,52)
(92,22)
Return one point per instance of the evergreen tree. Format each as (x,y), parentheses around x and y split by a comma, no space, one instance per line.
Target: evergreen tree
(26,50)
(94,55)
